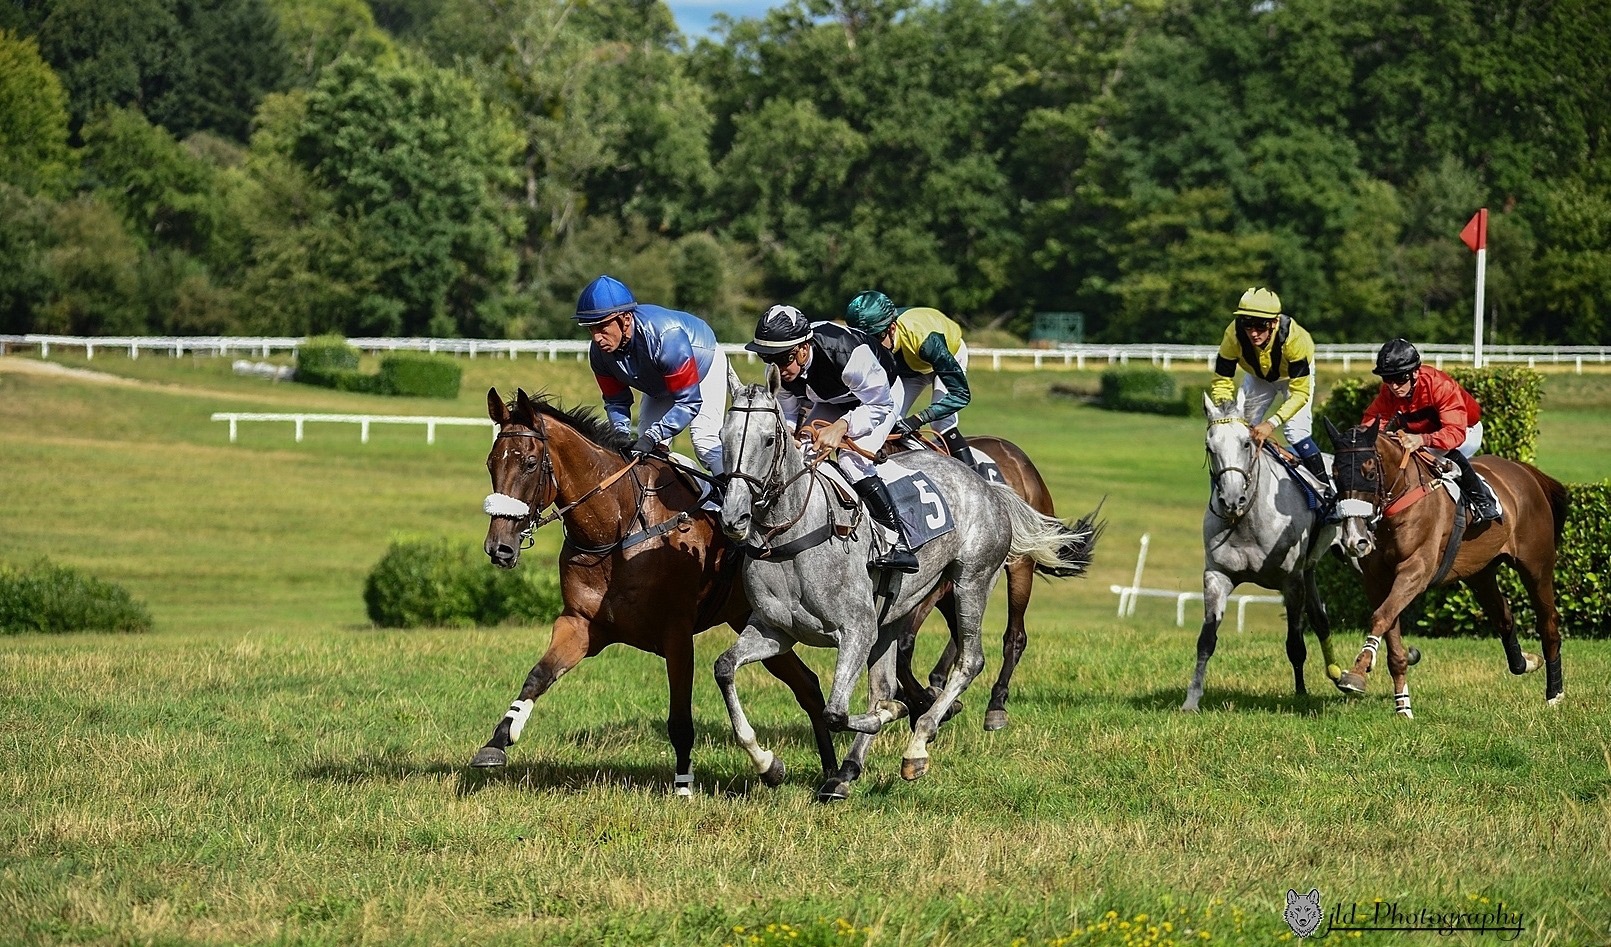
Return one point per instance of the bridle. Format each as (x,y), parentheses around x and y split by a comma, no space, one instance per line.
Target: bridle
(1383,494)
(770,488)
(503,505)
(1215,471)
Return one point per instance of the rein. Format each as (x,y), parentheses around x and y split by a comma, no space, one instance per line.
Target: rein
(767,493)
(1386,505)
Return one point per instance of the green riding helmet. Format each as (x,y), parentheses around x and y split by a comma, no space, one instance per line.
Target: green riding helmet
(870,312)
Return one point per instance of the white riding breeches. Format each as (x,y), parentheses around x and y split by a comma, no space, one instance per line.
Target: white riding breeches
(705,430)
(853,465)
(1259,396)
(1472,443)
(909,389)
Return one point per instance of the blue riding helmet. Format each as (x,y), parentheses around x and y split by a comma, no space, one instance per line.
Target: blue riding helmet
(602,298)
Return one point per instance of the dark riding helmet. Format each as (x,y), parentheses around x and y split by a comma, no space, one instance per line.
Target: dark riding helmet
(1397,359)
(779,330)
(871,312)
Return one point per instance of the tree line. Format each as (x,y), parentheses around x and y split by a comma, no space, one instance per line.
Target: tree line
(462,167)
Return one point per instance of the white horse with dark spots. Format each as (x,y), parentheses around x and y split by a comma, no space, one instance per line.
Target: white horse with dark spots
(808,580)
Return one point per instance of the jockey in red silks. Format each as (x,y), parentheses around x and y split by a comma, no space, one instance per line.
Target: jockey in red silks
(1434,411)
(670,356)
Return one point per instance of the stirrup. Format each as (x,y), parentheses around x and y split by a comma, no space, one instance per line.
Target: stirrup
(898,558)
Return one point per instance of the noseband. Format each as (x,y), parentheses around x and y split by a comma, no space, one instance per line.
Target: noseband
(769,489)
(501,504)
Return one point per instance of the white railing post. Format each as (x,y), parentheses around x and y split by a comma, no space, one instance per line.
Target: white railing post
(232,423)
(363,431)
(299,429)
(430,432)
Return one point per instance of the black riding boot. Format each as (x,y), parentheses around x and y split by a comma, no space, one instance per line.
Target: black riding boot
(1483,505)
(958,446)
(881,508)
(1316,464)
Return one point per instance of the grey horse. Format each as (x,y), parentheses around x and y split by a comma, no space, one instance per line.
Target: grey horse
(809,583)
(1258,528)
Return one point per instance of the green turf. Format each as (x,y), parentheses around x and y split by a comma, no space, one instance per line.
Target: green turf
(266,768)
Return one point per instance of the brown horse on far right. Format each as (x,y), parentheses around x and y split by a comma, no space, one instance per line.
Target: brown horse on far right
(1408,535)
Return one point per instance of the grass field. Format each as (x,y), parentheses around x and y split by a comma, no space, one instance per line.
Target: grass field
(267,768)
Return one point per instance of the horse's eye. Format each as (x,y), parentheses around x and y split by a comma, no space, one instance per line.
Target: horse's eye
(769,440)
(530,462)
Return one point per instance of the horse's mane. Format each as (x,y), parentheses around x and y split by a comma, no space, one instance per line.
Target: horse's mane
(586,421)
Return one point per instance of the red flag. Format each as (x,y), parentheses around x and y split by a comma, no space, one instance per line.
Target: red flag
(1475,235)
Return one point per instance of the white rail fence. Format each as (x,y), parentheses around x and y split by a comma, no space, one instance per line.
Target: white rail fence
(1067,355)
(1128,594)
(362,420)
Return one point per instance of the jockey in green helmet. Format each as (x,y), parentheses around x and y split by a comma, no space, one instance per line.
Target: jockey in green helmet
(929,355)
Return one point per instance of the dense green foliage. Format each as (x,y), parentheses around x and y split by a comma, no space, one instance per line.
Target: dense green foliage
(1146,389)
(452,168)
(419,376)
(436,582)
(48,598)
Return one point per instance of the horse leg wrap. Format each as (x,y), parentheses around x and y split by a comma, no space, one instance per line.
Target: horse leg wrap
(1371,644)
(519,712)
(1554,688)
(684,784)
(1401,703)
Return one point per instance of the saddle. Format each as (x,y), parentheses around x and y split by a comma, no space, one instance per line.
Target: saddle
(1300,474)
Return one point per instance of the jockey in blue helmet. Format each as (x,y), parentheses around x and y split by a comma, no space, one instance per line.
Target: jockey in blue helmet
(831,373)
(670,356)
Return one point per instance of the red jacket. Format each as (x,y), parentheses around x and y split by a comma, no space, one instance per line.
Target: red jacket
(1437,409)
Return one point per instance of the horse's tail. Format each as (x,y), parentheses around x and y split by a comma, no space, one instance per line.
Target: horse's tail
(1057,548)
(1559,499)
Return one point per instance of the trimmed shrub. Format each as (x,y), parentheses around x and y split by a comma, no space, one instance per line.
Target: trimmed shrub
(422,376)
(1148,390)
(50,598)
(434,582)
(323,355)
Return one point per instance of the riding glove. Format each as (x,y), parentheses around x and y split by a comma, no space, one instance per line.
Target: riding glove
(908,425)
(643,446)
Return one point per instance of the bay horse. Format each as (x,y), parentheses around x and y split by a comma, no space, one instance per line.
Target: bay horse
(641,565)
(1021,474)
(808,579)
(1409,534)
(1257,528)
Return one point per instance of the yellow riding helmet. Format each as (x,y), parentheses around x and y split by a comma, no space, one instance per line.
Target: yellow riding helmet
(1260,303)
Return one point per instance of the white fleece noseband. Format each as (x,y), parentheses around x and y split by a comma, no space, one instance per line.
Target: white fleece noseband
(502,504)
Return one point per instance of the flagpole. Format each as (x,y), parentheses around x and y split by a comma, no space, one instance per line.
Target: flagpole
(1475,236)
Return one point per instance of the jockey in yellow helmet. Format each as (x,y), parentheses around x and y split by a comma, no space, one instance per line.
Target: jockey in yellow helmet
(1277,358)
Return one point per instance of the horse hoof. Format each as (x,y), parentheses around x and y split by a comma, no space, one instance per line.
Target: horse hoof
(914,769)
(1556,700)
(773,775)
(995,720)
(1333,671)
(488,757)
(1351,683)
(834,790)
(1534,662)
(1407,714)
(1414,656)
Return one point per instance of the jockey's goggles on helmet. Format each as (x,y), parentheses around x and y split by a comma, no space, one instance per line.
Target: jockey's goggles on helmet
(1399,378)
(779,358)
(1254,323)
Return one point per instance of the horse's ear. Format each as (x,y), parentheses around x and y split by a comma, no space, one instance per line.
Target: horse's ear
(523,405)
(774,380)
(1375,428)
(734,385)
(496,409)
(1241,402)
(1208,406)
(1332,432)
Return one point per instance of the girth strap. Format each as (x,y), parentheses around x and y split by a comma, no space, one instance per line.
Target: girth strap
(793,547)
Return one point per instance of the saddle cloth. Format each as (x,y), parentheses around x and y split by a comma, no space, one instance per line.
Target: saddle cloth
(1306,481)
(923,509)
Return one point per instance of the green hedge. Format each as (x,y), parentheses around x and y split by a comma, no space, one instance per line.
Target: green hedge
(422,376)
(434,582)
(1146,389)
(329,362)
(1510,399)
(49,598)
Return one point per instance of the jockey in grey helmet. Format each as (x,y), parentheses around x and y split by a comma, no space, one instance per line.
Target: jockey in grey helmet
(832,373)
(670,356)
